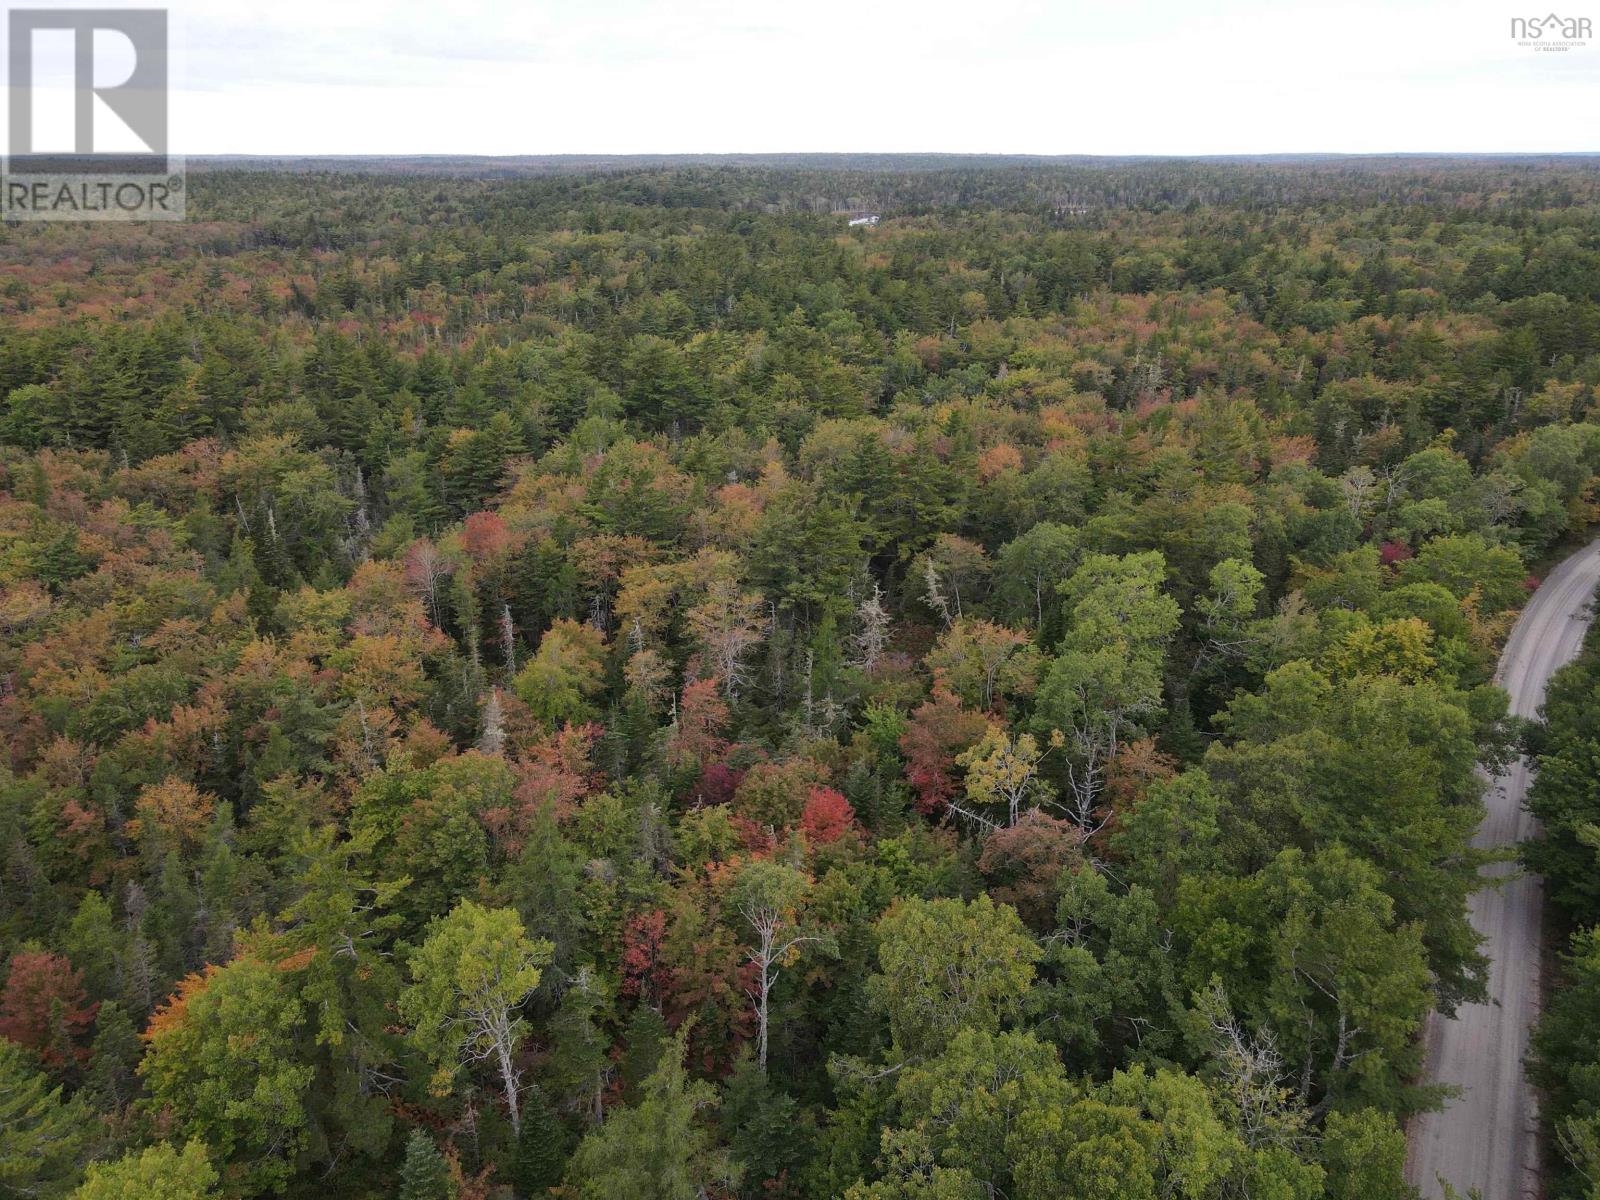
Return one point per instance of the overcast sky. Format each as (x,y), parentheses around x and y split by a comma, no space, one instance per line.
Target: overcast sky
(1000,76)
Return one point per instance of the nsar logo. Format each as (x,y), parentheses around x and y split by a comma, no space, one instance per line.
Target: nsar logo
(1552,32)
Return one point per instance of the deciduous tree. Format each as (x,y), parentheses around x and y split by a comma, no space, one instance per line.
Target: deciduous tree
(470,976)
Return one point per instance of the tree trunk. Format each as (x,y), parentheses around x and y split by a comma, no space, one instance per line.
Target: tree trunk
(508,1075)
(765,986)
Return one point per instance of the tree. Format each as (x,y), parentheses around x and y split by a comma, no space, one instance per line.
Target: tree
(1023,864)
(660,1148)
(1565,1059)
(110,1080)
(562,678)
(949,965)
(156,1173)
(1564,796)
(696,734)
(43,1008)
(807,552)
(42,1136)
(93,944)
(427,570)
(952,573)
(724,625)
(339,923)
(1272,1126)
(1388,768)
(1467,563)
(963,1107)
(222,1060)
(1403,649)
(1109,983)
(172,814)
(1089,1150)
(828,816)
(580,1063)
(1105,686)
(1364,1152)
(939,730)
(871,638)
(1113,599)
(1029,569)
(1003,780)
(1192,1150)
(542,1147)
(1346,989)
(767,1131)
(1096,701)
(472,972)
(982,662)
(768,897)
(1226,609)
(424,1173)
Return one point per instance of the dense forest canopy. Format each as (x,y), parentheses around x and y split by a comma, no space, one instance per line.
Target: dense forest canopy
(616,680)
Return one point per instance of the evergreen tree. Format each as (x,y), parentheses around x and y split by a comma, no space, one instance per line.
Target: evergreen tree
(424,1175)
(42,1137)
(110,1081)
(542,1147)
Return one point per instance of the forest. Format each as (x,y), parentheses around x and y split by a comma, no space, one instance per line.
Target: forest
(617,683)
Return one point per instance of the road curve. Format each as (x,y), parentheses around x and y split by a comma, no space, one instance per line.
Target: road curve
(1488,1139)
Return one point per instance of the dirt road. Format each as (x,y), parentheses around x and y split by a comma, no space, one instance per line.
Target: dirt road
(1487,1139)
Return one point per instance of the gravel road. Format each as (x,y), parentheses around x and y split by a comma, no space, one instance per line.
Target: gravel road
(1487,1139)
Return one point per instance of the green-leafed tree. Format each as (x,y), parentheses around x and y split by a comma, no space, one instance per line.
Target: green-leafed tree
(470,976)
(158,1172)
(44,1138)
(949,965)
(661,1148)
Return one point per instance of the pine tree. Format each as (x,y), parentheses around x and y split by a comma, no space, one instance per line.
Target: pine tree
(424,1175)
(93,944)
(763,1127)
(646,1038)
(41,1136)
(110,1081)
(579,1063)
(542,1147)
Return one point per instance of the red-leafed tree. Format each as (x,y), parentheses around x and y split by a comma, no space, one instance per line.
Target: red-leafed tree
(828,816)
(940,729)
(717,784)
(711,982)
(44,1007)
(557,770)
(1394,552)
(484,535)
(1023,864)
(644,974)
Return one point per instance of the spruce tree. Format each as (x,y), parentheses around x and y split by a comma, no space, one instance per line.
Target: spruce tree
(542,1147)
(646,1038)
(424,1175)
(111,1081)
